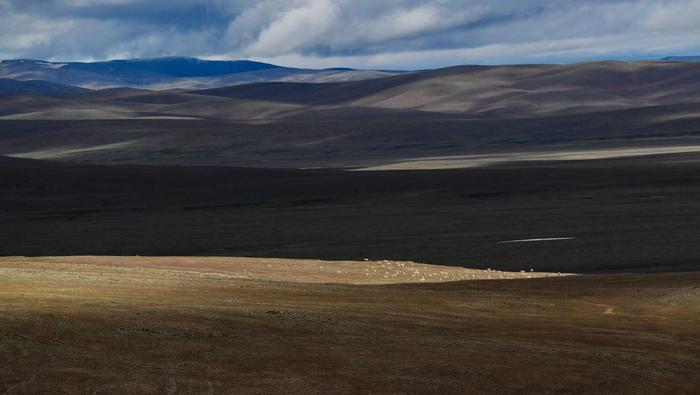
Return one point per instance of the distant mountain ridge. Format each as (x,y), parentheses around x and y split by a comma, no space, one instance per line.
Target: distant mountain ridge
(682,59)
(9,87)
(173,66)
(522,90)
(171,73)
(493,91)
(456,111)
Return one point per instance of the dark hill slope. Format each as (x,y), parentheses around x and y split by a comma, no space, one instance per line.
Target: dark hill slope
(173,67)
(313,93)
(501,90)
(10,87)
(170,73)
(682,59)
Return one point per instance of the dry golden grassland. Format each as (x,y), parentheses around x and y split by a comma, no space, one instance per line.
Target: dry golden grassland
(238,325)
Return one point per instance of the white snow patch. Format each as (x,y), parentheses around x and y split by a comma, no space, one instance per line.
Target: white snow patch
(536,240)
(51,65)
(55,153)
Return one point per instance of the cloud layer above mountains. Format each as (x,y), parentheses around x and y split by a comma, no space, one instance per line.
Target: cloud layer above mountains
(356,33)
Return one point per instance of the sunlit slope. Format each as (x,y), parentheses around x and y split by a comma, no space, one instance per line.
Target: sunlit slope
(502,90)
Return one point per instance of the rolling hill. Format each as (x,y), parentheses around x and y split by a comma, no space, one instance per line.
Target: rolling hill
(191,325)
(9,87)
(173,67)
(169,73)
(682,58)
(529,111)
(500,90)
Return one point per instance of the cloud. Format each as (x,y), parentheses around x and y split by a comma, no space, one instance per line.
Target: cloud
(296,28)
(651,46)
(673,16)
(356,33)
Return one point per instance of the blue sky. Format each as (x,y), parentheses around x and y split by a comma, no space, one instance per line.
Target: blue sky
(386,34)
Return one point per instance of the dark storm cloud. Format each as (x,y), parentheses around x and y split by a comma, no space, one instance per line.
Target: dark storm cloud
(185,14)
(361,33)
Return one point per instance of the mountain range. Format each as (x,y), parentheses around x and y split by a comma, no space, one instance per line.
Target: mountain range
(10,87)
(682,58)
(375,121)
(466,110)
(170,73)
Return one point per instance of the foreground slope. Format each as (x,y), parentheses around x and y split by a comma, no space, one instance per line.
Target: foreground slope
(105,327)
(306,271)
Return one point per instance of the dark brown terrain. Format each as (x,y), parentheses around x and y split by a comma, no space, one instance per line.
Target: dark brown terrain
(630,214)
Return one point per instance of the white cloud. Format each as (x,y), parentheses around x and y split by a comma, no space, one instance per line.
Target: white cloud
(294,29)
(576,49)
(358,33)
(405,22)
(83,3)
(673,16)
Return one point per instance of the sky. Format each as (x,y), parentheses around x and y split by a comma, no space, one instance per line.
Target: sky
(371,34)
